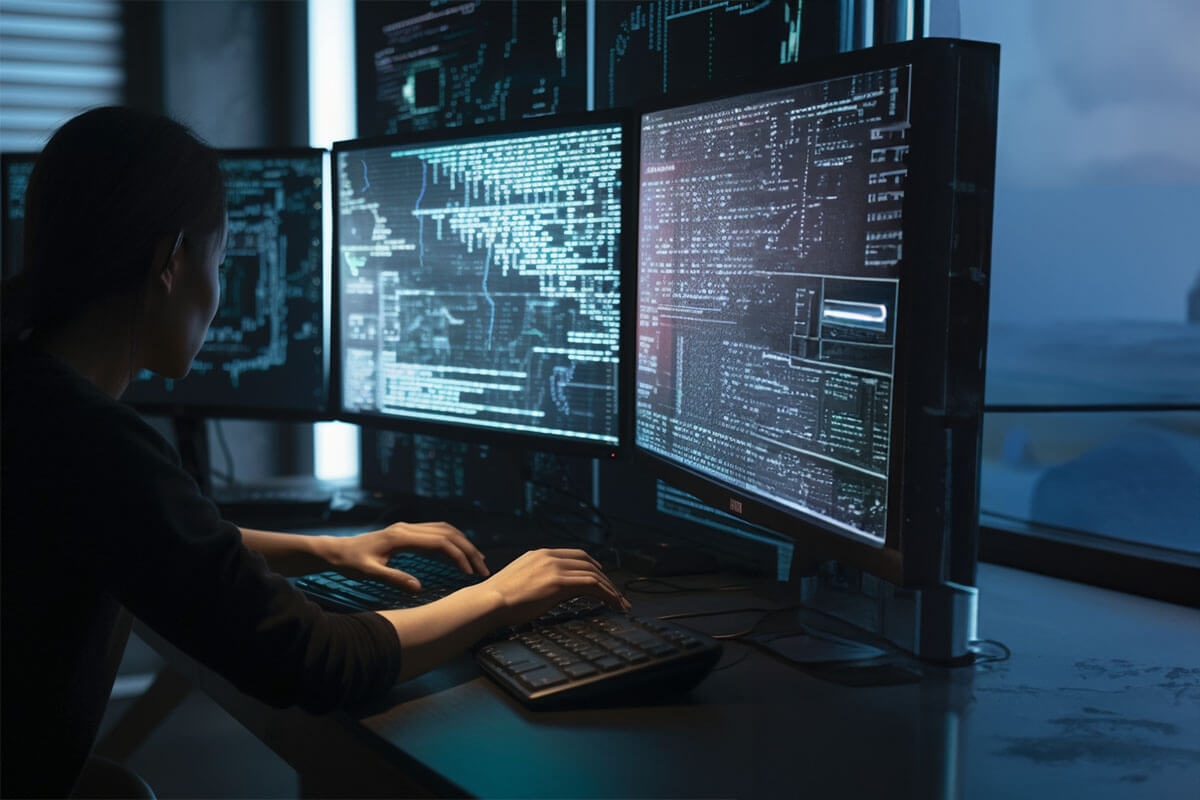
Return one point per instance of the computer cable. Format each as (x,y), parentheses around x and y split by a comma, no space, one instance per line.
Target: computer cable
(736,635)
(643,584)
(1001,652)
(581,508)
(733,663)
(977,648)
(571,492)
(801,630)
(563,531)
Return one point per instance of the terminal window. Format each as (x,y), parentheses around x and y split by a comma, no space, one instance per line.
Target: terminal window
(768,272)
(479,282)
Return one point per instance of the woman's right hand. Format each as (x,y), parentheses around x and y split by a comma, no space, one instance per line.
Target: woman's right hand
(523,591)
(540,579)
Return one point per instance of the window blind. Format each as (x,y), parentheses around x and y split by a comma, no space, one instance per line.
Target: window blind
(57,58)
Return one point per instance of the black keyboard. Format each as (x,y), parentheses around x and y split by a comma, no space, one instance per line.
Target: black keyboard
(602,656)
(578,652)
(347,594)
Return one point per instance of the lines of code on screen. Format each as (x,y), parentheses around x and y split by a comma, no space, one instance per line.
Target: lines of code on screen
(265,348)
(768,270)
(434,64)
(479,281)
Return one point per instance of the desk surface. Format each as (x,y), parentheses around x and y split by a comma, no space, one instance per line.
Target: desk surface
(1101,698)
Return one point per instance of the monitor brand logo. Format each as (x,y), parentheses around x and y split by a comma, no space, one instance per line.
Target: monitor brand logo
(735,506)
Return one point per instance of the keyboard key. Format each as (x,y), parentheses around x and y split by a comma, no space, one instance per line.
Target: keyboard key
(507,654)
(580,670)
(631,655)
(522,667)
(637,637)
(608,663)
(346,591)
(542,677)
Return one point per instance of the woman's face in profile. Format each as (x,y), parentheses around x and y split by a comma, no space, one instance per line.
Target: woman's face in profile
(209,257)
(194,304)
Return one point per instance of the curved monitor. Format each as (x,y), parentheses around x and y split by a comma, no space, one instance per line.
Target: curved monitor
(812,303)
(266,354)
(478,287)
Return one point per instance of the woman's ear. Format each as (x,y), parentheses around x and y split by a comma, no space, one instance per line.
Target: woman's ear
(164,269)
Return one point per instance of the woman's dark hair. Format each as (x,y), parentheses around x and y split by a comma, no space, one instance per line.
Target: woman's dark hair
(108,186)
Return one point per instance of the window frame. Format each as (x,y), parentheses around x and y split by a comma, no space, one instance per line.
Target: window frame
(1125,566)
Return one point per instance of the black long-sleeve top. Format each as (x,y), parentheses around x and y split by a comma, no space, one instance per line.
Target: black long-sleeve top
(96,513)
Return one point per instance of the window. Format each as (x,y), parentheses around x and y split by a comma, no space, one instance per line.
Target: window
(57,57)
(1093,377)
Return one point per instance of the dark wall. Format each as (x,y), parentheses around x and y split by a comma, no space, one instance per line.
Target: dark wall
(237,71)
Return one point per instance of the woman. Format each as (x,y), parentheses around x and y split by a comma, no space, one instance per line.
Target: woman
(124,234)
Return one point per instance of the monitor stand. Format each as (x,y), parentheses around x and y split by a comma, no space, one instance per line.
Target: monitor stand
(935,623)
(287,497)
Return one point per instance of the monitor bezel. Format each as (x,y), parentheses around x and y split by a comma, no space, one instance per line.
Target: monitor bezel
(563,445)
(916,551)
(269,412)
(7,159)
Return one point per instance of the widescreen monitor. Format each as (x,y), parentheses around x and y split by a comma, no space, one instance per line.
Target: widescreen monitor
(812,304)
(266,354)
(15,169)
(478,283)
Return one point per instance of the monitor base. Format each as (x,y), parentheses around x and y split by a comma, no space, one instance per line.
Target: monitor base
(935,623)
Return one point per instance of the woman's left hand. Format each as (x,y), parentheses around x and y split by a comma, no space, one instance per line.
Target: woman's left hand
(366,555)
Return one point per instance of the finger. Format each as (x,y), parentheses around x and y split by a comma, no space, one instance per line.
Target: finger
(472,552)
(439,528)
(577,564)
(442,538)
(571,553)
(603,579)
(432,541)
(468,549)
(591,584)
(394,577)
(599,578)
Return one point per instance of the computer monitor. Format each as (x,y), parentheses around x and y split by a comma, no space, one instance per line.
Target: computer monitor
(478,287)
(15,169)
(650,48)
(812,276)
(266,354)
(426,65)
